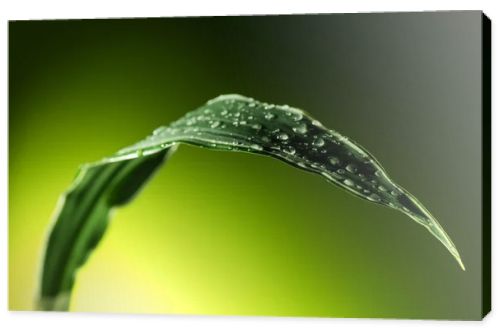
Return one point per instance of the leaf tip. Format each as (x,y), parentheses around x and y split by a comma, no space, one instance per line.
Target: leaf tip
(442,236)
(459,260)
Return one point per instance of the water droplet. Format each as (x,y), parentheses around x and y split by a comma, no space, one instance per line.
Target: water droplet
(374,197)
(215,124)
(223,112)
(366,191)
(256,147)
(243,122)
(289,150)
(297,116)
(336,176)
(237,114)
(348,182)
(206,111)
(381,188)
(256,126)
(351,168)
(377,173)
(334,160)
(283,136)
(300,129)
(269,116)
(394,193)
(318,142)
(340,171)
(316,123)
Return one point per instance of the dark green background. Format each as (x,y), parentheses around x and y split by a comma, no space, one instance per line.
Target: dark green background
(233,233)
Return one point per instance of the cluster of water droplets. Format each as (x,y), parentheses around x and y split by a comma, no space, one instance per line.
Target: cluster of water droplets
(233,122)
(286,132)
(243,124)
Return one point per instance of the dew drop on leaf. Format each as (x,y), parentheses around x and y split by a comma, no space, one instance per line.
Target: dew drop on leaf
(215,124)
(318,142)
(289,149)
(348,182)
(269,116)
(300,129)
(297,116)
(283,136)
(374,197)
(351,168)
(334,160)
(256,147)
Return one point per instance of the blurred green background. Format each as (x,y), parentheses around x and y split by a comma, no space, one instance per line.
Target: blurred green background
(239,234)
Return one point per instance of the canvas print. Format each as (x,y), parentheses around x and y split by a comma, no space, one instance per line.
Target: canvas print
(333,165)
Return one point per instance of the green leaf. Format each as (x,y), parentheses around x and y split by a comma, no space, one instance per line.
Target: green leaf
(229,123)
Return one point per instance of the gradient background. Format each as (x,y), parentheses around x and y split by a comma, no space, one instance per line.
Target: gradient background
(239,234)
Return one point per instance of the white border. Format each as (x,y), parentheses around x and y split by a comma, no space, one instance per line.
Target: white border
(21,322)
